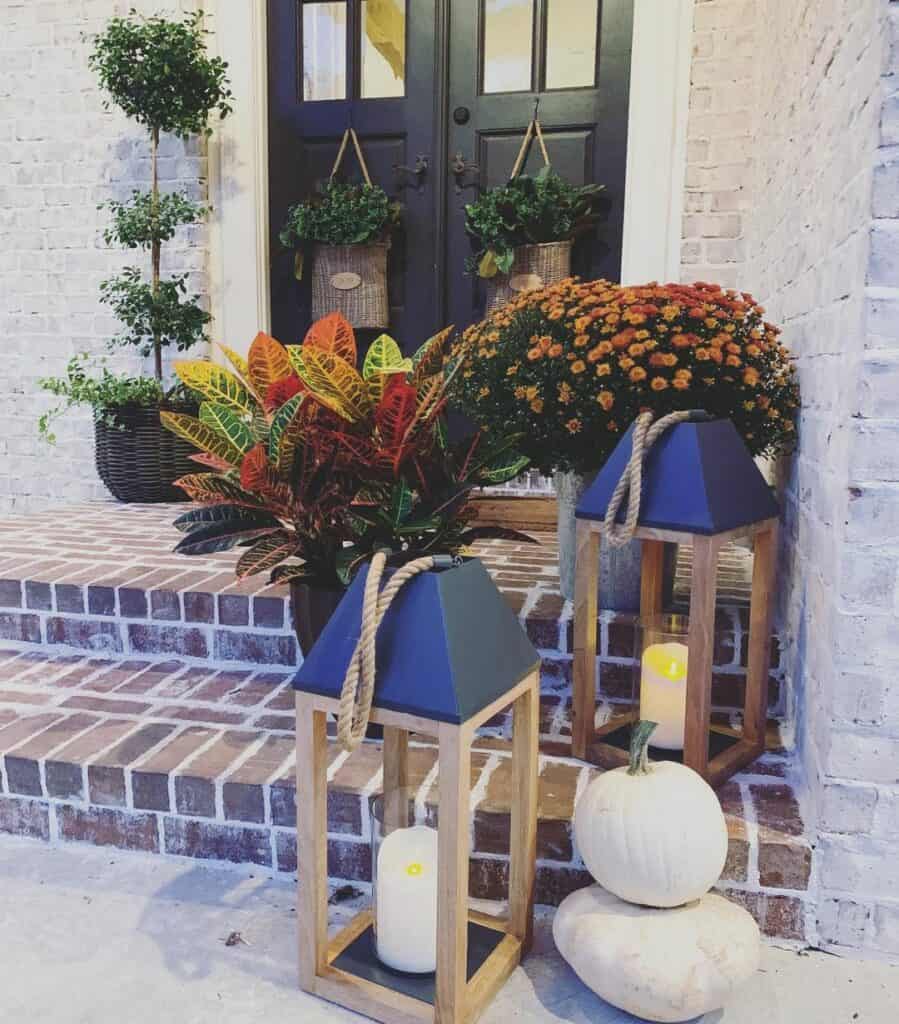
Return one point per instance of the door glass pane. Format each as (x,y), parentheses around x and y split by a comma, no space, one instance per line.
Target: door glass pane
(571,27)
(324,51)
(383,48)
(508,42)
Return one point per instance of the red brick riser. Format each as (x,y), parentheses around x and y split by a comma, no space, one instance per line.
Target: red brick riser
(145,704)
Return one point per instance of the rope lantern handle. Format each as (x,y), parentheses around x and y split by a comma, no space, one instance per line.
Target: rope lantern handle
(630,482)
(358,688)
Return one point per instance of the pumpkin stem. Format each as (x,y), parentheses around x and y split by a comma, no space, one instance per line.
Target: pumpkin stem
(639,753)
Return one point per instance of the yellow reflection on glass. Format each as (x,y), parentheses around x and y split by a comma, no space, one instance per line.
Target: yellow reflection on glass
(324,51)
(508,42)
(571,27)
(383,48)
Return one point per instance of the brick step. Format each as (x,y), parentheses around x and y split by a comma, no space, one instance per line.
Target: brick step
(179,759)
(103,579)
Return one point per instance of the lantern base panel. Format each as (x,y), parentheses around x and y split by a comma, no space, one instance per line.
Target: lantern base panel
(361,960)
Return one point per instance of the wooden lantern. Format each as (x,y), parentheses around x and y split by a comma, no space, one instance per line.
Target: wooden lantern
(700,487)
(450,655)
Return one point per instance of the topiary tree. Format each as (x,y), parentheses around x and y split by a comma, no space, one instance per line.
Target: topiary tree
(158,72)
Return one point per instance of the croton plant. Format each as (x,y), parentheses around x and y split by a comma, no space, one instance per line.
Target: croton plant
(312,465)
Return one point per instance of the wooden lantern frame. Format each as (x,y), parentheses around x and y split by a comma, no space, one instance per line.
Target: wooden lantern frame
(588,742)
(457,998)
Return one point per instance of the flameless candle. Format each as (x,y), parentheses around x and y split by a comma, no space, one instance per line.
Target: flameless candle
(663,692)
(406,900)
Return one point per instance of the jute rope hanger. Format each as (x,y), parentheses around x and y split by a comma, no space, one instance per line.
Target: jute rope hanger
(631,480)
(532,130)
(358,687)
(350,134)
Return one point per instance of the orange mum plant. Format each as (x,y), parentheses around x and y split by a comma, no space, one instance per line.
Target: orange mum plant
(571,366)
(312,465)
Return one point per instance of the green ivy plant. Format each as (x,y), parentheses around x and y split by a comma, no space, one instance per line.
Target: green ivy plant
(526,211)
(341,214)
(106,393)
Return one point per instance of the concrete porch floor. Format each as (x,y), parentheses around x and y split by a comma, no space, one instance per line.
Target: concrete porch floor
(96,937)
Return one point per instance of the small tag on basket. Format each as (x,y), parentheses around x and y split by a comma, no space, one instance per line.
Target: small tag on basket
(345,281)
(525,282)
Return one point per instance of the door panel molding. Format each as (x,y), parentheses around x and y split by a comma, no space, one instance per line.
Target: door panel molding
(239,163)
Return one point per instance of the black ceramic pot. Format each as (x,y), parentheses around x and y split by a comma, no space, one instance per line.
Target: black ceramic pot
(311,608)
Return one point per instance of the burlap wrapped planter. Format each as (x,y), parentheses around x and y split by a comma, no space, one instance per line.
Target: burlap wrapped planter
(138,459)
(535,266)
(352,280)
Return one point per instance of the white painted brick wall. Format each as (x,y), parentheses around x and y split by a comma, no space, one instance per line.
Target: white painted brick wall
(804,143)
(60,155)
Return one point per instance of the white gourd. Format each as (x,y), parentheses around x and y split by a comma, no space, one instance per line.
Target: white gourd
(661,965)
(652,834)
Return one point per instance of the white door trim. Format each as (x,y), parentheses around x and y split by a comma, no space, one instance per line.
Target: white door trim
(238,180)
(657,140)
(238,161)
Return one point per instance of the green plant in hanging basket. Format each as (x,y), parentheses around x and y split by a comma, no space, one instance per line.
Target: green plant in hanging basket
(526,211)
(341,214)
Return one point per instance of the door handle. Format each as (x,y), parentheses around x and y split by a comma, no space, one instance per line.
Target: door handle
(460,168)
(418,172)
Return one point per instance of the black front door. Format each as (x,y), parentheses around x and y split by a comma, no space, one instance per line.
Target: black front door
(440,93)
(569,60)
(368,64)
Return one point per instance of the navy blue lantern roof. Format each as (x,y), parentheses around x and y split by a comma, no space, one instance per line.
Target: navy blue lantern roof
(448,647)
(698,477)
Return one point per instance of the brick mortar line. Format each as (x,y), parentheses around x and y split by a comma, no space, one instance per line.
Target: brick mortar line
(750,822)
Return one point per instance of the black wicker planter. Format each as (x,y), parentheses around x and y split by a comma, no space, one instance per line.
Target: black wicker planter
(138,459)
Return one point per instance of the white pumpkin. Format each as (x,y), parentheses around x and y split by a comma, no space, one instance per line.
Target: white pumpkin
(652,834)
(662,965)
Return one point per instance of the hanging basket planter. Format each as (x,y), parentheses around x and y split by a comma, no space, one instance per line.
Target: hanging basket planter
(138,459)
(352,279)
(535,266)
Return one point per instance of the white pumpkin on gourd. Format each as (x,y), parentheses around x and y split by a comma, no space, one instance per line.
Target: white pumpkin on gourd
(652,834)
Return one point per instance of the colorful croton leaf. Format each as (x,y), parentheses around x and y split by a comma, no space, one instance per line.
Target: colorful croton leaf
(314,465)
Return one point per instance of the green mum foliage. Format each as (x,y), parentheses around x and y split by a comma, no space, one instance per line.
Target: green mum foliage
(139,222)
(157,71)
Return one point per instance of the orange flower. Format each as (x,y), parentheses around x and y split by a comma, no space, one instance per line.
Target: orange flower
(545,343)
(565,393)
(625,362)
(623,338)
(594,354)
(581,340)
(637,374)
(669,312)
(682,374)
(603,370)
(483,392)
(753,350)
(657,359)
(537,405)
(681,383)
(520,392)
(512,370)
(703,354)
(606,399)
(531,392)
(750,376)
(733,361)
(636,349)
(578,366)
(554,351)
(573,425)
(582,323)
(535,353)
